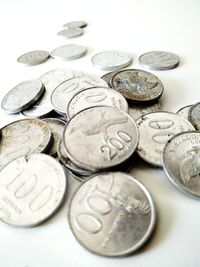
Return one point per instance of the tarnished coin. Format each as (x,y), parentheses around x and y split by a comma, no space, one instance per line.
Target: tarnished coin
(184,112)
(194,116)
(111,60)
(96,96)
(71,32)
(100,137)
(31,189)
(21,138)
(159,60)
(22,96)
(181,161)
(65,91)
(69,52)
(34,57)
(57,127)
(138,111)
(137,85)
(107,77)
(112,214)
(75,24)
(155,130)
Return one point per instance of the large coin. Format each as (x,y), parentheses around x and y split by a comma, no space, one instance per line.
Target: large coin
(194,116)
(184,112)
(138,111)
(31,189)
(69,52)
(181,162)
(137,85)
(34,57)
(159,60)
(155,130)
(21,138)
(96,96)
(112,214)
(22,96)
(100,137)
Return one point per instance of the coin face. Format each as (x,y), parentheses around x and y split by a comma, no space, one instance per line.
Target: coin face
(22,96)
(27,196)
(24,137)
(69,52)
(34,57)
(137,85)
(194,116)
(75,24)
(96,96)
(107,77)
(159,60)
(155,130)
(111,60)
(181,161)
(138,111)
(64,92)
(184,112)
(107,137)
(71,32)
(112,214)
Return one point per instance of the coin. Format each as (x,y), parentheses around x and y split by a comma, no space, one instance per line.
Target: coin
(64,92)
(28,197)
(107,137)
(194,116)
(23,137)
(71,32)
(159,60)
(75,24)
(137,85)
(112,214)
(34,57)
(57,127)
(138,111)
(111,60)
(155,130)
(69,52)
(96,96)
(107,77)
(181,162)
(184,112)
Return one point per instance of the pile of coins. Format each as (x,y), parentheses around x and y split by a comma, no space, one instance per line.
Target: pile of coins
(73,29)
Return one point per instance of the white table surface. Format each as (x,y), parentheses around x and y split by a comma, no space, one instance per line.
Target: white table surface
(131,26)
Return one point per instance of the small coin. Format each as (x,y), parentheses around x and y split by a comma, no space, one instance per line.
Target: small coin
(34,57)
(75,24)
(57,127)
(23,137)
(107,137)
(111,60)
(27,196)
(107,77)
(159,60)
(22,96)
(69,52)
(112,214)
(184,112)
(155,130)
(194,116)
(64,92)
(71,32)
(137,85)
(96,96)
(181,162)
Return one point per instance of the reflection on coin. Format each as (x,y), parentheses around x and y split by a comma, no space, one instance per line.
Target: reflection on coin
(69,52)
(22,96)
(107,137)
(57,127)
(27,196)
(194,116)
(65,91)
(159,60)
(96,96)
(184,112)
(34,57)
(155,130)
(111,60)
(21,138)
(137,85)
(71,33)
(181,161)
(112,214)
(75,24)
(107,77)
(138,111)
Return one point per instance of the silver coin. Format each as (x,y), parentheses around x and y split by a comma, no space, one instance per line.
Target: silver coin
(107,77)
(194,116)
(159,60)
(71,32)
(69,52)
(65,91)
(111,60)
(34,57)
(22,96)
(138,111)
(155,130)
(28,196)
(57,127)
(112,214)
(23,137)
(75,24)
(181,162)
(137,85)
(96,96)
(100,137)
(184,112)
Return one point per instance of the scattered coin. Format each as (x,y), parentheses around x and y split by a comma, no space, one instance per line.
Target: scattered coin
(108,76)
(75,24)
(138,111)
(71,32)
(159,60)
(184,112)
(69,52)
(34,57)
(194,116)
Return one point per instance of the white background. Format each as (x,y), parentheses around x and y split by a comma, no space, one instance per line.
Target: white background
(130,26)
